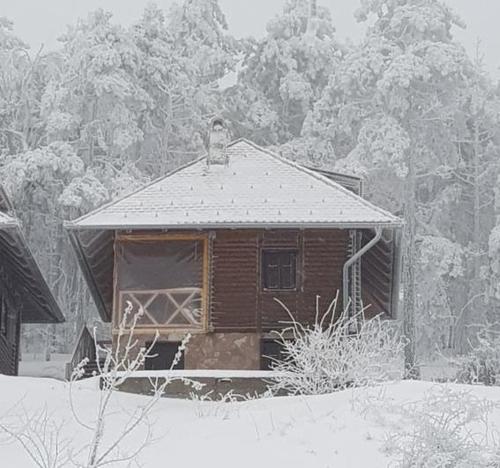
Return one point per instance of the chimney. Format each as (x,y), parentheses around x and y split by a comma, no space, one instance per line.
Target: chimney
(217,142)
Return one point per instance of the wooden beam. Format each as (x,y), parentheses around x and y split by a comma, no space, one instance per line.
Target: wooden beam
(159,237)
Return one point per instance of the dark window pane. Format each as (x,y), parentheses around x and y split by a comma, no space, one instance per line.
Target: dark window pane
(279,269)
(273,278)
(287,277)
(159,265)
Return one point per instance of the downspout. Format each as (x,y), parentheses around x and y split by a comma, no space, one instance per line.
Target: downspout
(350,262)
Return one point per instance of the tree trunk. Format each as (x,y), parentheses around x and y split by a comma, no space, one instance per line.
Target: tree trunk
(409,329)
(474,313)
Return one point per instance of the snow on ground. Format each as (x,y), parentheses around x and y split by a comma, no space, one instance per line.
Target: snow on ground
(33,366)
(294,432)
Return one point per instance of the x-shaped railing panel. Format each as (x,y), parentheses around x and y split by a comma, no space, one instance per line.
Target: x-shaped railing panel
(186,303)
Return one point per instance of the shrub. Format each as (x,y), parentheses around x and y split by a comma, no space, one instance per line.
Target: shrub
(448,429)
(335,353)
(482,364)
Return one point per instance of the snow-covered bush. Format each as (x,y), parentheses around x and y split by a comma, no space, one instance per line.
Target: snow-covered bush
(335,353)
(113,448)
(43,439)
(448,429)
(482,364)
(41,436)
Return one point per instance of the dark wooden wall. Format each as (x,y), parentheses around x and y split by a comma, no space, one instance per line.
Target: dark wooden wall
(8,356)
(9,342)
(237,300)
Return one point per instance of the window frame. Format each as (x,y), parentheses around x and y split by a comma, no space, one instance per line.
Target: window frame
(162,237)
(296,276)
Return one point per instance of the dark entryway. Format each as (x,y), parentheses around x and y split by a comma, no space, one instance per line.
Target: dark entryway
(270,351)
(164,355)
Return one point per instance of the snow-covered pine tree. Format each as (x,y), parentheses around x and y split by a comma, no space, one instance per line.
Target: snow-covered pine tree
(284,73)
(21,81)
(478,142)
(394,101)
(184,55)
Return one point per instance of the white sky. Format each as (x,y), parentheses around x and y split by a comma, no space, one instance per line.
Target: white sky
(42,21)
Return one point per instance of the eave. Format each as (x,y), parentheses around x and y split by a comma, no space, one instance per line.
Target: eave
(230,225)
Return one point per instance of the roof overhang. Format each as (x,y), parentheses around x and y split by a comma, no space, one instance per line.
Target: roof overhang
(272,225)
(25,278)
(94,251)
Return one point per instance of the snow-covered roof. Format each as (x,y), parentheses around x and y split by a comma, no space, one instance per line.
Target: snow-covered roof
(7,221)
(25,276)
(256,189)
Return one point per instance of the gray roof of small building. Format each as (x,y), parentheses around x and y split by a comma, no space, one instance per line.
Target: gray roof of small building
(22,272)
(257,188)
(7,221)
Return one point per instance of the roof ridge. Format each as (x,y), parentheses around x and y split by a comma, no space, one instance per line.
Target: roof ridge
(69,224)
(318,176)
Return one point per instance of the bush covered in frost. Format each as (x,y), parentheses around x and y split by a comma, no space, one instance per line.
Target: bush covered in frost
(335,353)
(482,364)
(448,429)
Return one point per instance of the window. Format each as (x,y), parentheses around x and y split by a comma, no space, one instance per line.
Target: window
(279,269)
(163,279)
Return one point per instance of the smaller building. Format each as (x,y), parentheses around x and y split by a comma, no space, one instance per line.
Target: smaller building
(24,295)
(207,249)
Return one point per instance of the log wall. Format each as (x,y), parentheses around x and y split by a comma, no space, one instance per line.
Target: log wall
(9,343)
(238,301)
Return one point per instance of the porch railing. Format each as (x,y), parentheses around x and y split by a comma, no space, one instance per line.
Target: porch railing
(165,308)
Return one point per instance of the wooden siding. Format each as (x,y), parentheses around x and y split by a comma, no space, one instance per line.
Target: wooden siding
(9,338)
(235,273)
(379,273)
(8,356)
(325,253)
(238,301)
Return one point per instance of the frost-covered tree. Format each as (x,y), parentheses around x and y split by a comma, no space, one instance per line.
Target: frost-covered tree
(184,55)
(394,100)
(478,144)
(441,263)
(284,73)
(21,82)
(97,100)
(48,185)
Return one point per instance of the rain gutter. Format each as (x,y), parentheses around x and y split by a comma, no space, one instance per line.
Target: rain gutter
(351,261)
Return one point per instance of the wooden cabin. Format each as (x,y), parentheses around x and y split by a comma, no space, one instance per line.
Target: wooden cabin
(24,295)
(208,247)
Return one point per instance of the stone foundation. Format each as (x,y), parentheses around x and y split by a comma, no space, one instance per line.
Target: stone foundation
(233,351)
(223,351)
